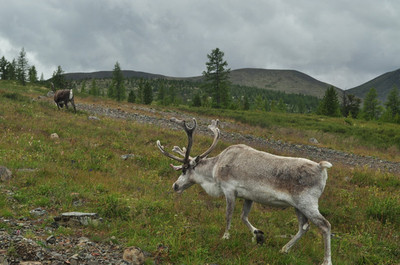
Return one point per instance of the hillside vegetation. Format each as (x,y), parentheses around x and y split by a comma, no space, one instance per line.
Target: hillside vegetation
(135,198)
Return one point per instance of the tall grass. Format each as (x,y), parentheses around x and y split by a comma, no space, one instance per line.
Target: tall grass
(135,199)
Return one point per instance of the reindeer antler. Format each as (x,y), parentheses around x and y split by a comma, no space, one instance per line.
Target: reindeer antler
(185,151)
(214,128)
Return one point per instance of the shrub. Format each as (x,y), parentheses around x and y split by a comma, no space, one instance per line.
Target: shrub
(384,210)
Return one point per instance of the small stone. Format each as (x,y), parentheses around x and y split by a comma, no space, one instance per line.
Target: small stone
(134,255)
(51,240)
(93,118)
(313,141)
(5,174)
(54,136)
(125,157)
(38,212)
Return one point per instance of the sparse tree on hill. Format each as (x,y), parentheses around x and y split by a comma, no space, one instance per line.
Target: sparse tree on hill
(22,67)
(58,79)
(32,73)
(329,105)
(371,108)
(351,105)
(196,101)
(131,97)
(147,94)
(393,102)
(11,70)
(217,78)
(3,68)
(117,88)
(94,90)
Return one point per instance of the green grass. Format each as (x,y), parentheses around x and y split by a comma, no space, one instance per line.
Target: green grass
(135,198)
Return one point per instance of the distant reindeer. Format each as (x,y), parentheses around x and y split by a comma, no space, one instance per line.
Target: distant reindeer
(62,97)
(243,172)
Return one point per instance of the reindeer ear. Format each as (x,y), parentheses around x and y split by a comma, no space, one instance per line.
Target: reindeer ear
(177,168)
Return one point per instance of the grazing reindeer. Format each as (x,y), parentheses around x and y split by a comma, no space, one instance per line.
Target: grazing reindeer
(62,97)
(243,172)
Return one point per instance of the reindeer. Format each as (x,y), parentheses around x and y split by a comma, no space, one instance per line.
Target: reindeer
(62,97)
(240,171)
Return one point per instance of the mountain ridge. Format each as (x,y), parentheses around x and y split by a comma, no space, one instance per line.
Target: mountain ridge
(288,81)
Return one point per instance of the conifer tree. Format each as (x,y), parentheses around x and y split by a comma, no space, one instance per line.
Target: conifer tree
(58,78)
(329,105)
(117,88)
(147,94)
(393,102)
(22,67)
(131,96)
(32,74)
(217,78)
(371,108)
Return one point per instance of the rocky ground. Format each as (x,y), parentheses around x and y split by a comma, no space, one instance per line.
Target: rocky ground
(26,241)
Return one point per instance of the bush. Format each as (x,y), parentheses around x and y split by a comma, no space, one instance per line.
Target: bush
(384,210)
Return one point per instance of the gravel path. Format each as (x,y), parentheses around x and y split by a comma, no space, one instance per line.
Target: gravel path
(149,115)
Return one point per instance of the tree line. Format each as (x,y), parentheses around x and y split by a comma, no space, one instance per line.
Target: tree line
(371,108)
(214,91)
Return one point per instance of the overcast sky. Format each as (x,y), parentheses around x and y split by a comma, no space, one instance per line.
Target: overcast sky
(343,42)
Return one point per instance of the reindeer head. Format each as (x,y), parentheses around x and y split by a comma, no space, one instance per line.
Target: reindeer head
(186,179)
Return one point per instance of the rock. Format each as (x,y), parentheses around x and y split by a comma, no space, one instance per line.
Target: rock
(5,174)
(78,218)
(313,141)
(38,212)
(134,255)
(54,136)
(51,240)
(94,118)
(125,157)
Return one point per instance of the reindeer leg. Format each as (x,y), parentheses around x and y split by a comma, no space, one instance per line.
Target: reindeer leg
(303,228)
(66,104)
(258,235)
(230,206)
(324,226)
(73,104)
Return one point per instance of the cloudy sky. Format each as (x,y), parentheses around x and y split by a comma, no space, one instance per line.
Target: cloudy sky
(344,43)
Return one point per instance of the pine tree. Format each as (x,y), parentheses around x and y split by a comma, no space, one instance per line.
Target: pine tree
(3,68)
(32,73)
(147,94)
(371,109)
(93,88)
(393,102)
(117,88)
(58,78)
(329,106)
(22,67)
(131,96)
(350,105)
(217,78)
(196,101)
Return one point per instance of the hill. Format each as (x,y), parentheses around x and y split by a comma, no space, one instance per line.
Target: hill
(383,84)
(288,81)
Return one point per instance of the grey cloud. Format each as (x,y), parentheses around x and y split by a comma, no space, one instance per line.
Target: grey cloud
(340,42)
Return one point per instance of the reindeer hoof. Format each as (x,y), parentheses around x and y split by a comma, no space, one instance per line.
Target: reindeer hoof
(259,235)
(226,236)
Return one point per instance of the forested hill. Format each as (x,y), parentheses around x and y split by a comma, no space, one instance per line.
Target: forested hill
(382,84)
(288,81)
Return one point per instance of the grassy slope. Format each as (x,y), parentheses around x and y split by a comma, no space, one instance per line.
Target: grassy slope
(134,196)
